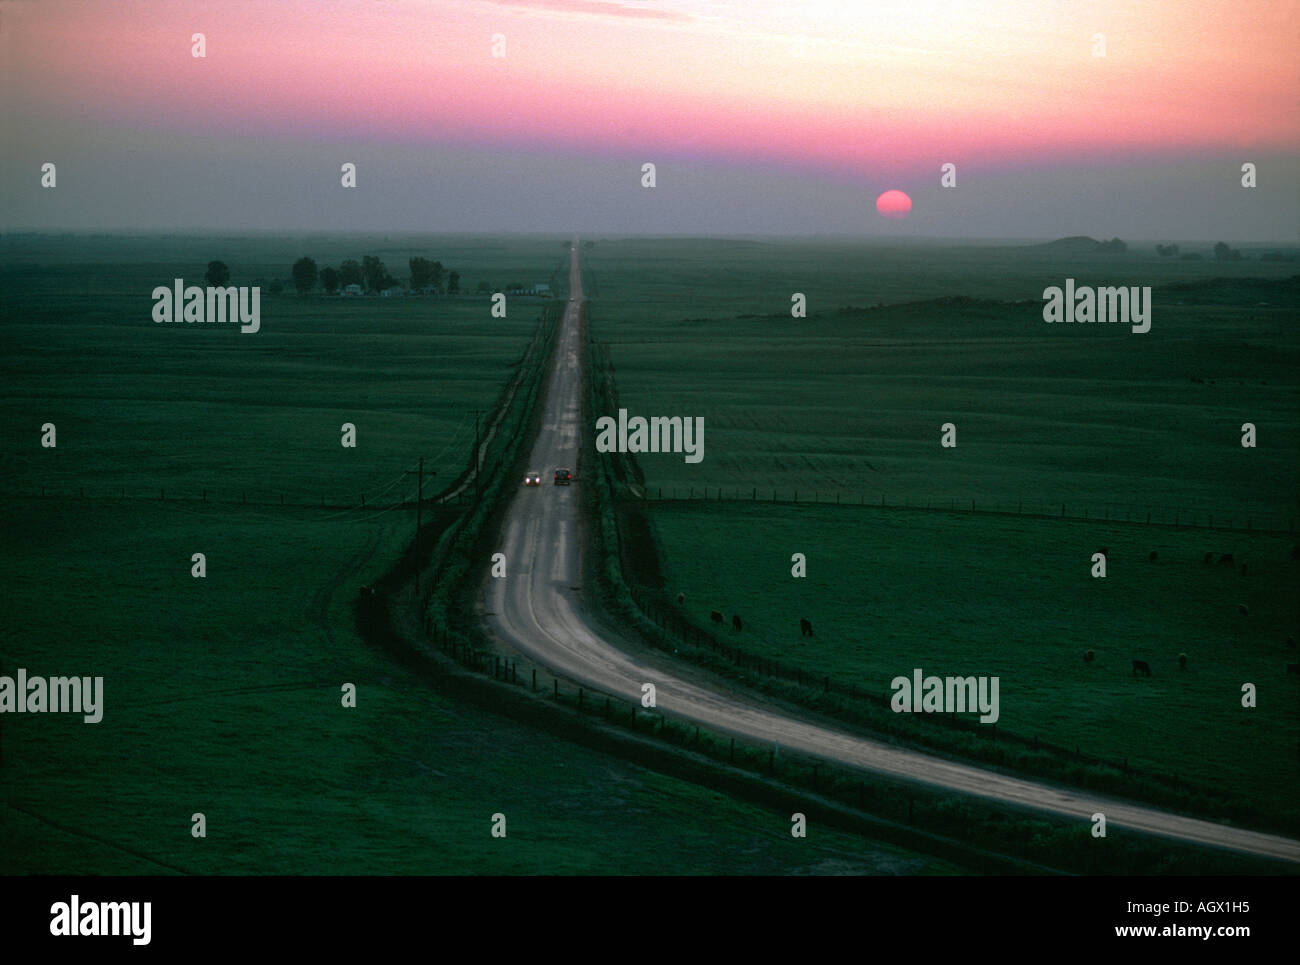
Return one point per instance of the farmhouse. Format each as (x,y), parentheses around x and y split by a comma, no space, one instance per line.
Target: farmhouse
(352,289)
(541,289)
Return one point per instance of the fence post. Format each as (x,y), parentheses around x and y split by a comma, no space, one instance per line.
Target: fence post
(733,748)
(534,678)
(557,689)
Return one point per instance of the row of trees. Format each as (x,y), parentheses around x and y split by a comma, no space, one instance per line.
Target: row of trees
(371,274)
(1222,252)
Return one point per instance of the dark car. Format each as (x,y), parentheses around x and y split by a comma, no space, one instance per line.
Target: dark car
(532,478)
(563,477)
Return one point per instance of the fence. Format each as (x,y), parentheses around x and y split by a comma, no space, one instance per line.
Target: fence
(671,623)
(241,497)
(1243,522)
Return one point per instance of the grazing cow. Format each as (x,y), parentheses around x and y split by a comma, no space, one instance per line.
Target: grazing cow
(1209,557)
(1089,656)
(681,598)
(715,616)
(1225,558)
(1243,609)
(735,622)
(1141,667)
(1154,556)
(1293,668)
(805,628)
(1182,661)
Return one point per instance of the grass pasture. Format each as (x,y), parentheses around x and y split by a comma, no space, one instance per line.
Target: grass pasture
(850,402)
(951,593)
(222,695)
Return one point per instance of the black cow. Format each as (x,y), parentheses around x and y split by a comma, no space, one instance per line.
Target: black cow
(1104,551)
(1089,656)
(715,616)
(681,598)
(1141,667)
(1209,557)
(1154,556)
(1243,609)
(1182,661)
(735,622)
(805,628)
(1243,569)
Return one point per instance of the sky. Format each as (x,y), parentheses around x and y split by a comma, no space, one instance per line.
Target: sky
(781,117)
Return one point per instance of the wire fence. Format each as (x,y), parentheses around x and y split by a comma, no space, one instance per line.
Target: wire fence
(676,627)
(1237,521)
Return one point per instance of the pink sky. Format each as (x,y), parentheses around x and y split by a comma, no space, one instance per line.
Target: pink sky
(838,86)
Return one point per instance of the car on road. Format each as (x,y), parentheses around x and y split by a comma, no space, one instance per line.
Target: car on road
(532,478)
(563,477)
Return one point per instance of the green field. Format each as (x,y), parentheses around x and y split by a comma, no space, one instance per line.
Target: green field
(848,404)
(222,694)
(891,590)
(853,402)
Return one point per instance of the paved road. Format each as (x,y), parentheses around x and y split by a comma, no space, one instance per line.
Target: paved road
(537,610)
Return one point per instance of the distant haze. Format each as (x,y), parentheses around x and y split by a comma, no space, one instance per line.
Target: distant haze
(762,117)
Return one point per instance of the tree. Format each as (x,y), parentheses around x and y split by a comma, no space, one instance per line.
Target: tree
(304,275)
(350,273)
(420,272)
(218,274)
(1114,246)
(483,288)
(1221,251)
(329,279)
(453,283)
(373,272)
(1166,251)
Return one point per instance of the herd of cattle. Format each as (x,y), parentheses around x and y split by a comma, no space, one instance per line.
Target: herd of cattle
(805,627)
(1140,667)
